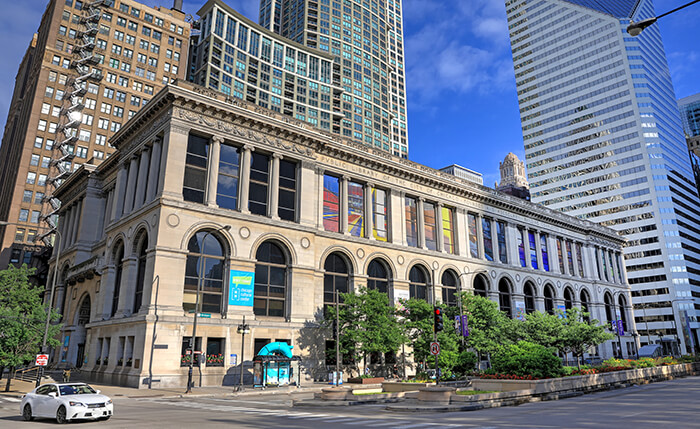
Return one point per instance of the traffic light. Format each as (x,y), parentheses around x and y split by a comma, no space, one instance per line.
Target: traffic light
(438,323)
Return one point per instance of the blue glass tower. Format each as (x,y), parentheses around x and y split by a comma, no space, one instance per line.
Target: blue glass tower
(604,142)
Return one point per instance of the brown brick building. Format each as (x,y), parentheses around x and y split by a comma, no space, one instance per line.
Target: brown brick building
(88,69)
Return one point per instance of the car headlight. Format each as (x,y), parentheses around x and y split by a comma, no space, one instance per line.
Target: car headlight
(76,404)
(109,401)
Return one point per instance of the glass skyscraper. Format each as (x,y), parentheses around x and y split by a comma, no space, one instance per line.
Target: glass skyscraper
(604,142)
(365,37)
(690,115)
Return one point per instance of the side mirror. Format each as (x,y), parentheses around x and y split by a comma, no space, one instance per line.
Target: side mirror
(53,394)
(97,392)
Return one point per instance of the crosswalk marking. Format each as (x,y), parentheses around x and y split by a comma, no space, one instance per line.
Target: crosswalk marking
(11,399)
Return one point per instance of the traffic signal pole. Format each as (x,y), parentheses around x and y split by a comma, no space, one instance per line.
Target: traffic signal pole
(438,325)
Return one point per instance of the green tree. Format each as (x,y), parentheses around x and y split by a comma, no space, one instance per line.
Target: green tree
(526,358)
(22,319)
(579,333)
(488,326)
(368,324)
(544,329)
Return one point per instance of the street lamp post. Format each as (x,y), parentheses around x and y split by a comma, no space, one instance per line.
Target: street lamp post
(243,329)
(193,340)
(57,246)
(636,28)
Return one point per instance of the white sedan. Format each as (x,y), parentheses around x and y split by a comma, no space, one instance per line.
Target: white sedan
(65,402)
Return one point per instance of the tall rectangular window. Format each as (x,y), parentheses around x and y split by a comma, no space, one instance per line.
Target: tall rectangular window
(379,214)
(579,260)
(488,241)
(331,203)
(521,247)
(570,257)
(227,188)
(533,250)
(430,225)
(473,243)
(356,209)
(411,209)
(560,252)
(502,250)
(448,236)
(545,253)
(195,178)
(259,182)
(612,267)
(242,37)
(605,266)
(287,202)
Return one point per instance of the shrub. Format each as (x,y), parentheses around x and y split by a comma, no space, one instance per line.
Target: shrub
(614,362)
(526,359)
(466,363)
(644,363)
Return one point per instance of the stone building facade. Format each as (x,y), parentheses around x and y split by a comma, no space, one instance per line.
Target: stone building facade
(197,173)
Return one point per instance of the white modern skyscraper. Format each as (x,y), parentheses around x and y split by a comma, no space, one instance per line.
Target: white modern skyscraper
(604,142)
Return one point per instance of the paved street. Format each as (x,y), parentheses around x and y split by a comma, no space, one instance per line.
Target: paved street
(672,403)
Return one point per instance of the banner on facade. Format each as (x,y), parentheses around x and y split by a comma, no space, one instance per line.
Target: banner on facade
(465,325)
(520,310)
(241,288)
(562,308)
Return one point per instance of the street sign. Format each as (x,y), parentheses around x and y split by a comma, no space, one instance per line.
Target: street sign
(435,348)
(42,360)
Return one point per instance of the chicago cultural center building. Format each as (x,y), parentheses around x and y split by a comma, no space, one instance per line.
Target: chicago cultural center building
(205,189)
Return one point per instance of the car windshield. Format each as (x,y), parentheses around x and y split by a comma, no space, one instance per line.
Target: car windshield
(76,389)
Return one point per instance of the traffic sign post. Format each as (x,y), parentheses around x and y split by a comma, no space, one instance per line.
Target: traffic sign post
(435,351)
(42,360)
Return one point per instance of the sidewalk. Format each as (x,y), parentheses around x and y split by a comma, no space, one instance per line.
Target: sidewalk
(19,388)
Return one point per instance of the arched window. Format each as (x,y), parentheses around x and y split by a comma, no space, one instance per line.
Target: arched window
(609,307)
(504,297)
(529,291)
(205,266)
(481,285)
(418,283)
(378,276)
(549,299)
(335,279)
(585,299)
(568,298)
(84,311)
(141,275)
(270,280)
(449,288)
(623,311)
(118,258)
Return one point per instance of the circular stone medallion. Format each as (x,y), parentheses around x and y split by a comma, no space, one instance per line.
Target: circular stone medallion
(244,232)
(173,220)
(360,253)
(400,260)
(305,242)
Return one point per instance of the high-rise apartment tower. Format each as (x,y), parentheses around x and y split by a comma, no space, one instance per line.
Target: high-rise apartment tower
(366,39)
(690,115)
(89,68)
(604,142)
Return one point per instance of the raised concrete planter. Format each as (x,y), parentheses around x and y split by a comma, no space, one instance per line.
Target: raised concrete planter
(586,382)
(398,386)
(358,380)
(436,394)
(335,393)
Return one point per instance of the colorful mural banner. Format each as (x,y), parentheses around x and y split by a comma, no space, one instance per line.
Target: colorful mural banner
(520,310)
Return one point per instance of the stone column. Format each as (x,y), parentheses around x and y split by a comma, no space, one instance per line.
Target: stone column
(105,295)
(526,247)
(172,160)
(461,236)
(273,207)
(574,253)
(439,230)
(319,197)
(154,170)
(479,237)
(67,234)
(213,177)
(128,287)
(552,250)
(150,283)
(494,242)
(131,185)
(244,181)
(420,222)
(369,212)
(108,208)
(76,220)
(119,193)
(143,177)
(344,204)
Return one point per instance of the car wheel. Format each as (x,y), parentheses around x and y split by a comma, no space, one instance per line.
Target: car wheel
(27,413)
(61,415)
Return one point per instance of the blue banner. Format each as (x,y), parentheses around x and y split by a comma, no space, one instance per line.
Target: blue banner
(458,323)
(465,326)
(241,288)
(620,329)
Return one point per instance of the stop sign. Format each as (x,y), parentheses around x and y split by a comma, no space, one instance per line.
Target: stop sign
(42,360)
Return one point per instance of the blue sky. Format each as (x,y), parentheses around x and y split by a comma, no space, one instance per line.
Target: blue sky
(461,88)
